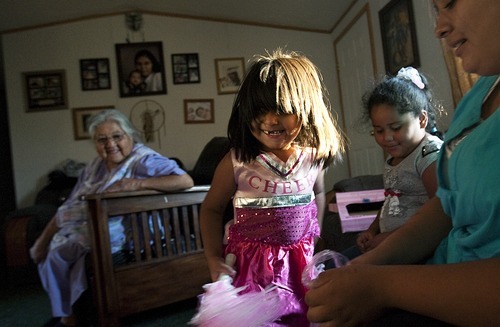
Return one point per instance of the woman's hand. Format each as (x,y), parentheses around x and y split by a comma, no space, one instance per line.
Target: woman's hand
(40,249)
(346,296)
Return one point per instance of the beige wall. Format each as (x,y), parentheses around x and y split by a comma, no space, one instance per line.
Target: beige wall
(41,141)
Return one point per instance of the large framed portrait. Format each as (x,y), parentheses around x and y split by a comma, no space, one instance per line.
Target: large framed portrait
(141,69)
(399,38)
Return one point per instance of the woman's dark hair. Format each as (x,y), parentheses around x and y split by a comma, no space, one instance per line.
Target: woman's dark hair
(146,53)
(404,95)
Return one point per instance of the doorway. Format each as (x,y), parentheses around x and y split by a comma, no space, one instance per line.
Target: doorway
(356,65)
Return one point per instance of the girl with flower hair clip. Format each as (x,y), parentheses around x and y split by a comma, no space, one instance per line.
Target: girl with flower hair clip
(402,113)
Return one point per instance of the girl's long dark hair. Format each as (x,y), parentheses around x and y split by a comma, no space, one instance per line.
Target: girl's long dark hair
(284,83)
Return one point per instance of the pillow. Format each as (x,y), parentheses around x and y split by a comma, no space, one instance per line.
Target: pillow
(360,183)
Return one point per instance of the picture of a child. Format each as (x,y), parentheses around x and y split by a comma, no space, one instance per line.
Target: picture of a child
(135,83)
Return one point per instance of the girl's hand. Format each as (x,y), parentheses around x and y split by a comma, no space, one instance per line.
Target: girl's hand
(346,296)
(217,267)
(364,240)
(375,241)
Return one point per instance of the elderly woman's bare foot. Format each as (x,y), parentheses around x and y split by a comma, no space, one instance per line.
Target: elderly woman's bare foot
(69,321)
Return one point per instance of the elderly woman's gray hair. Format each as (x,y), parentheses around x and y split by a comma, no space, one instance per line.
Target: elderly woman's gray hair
(117,117)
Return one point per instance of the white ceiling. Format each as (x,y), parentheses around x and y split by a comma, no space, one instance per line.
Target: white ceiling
(313,15)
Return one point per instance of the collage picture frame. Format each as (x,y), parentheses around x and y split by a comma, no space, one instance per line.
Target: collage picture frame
(94,74)
(45,90)
(186,68)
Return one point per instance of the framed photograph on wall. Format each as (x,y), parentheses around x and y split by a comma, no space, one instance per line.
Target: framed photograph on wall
(94,74)
(198,111)
(141,69)
(81,117)
(186,68)
(45,90)
(229,73)
(399,38)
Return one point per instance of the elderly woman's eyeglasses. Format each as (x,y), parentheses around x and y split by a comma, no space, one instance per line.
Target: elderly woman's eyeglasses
(103,140)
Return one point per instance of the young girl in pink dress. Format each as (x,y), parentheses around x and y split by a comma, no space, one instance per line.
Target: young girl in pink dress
(282,137)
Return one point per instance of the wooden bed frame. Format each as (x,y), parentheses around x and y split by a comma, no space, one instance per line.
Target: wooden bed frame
(165,261)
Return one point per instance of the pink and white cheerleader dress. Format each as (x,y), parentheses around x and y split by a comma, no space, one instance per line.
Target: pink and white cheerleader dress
(274,226)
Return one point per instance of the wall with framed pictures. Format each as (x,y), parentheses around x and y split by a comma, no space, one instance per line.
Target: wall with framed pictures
(47,136)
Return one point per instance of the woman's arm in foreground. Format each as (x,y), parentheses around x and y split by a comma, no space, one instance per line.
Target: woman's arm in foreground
(413,242)
(465,294)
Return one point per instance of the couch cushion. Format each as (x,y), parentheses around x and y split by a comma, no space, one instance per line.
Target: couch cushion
(360,183)
(209,158)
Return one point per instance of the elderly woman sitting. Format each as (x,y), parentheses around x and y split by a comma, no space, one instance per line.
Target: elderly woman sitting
(123,164)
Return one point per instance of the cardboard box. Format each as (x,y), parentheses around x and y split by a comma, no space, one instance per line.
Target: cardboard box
(357,210)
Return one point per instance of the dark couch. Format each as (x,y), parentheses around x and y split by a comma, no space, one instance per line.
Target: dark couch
(213,152)
(20,228)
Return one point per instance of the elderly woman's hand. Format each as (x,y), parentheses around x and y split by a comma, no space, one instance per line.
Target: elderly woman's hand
(126,185)
(38,252)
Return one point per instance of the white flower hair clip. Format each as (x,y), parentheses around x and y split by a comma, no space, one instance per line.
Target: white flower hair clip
(411,74)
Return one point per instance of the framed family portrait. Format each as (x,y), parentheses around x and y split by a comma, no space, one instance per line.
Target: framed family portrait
(399,38)
(141,69)
(186,68)
(229,73)
(81,117)
(94,74)
(198,111)
(45,90)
